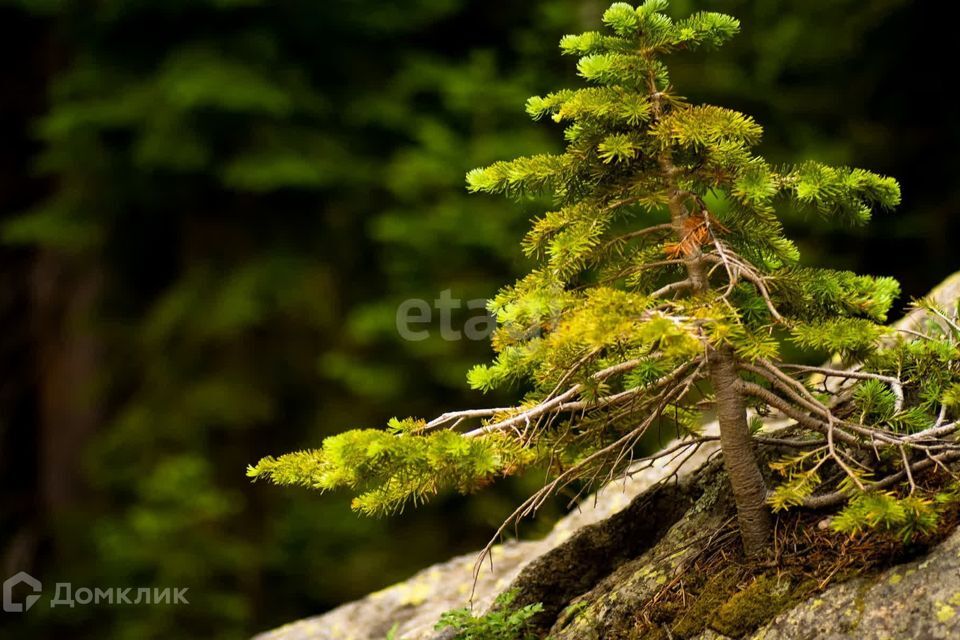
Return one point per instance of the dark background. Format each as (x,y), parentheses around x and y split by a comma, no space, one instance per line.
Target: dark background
(210,210)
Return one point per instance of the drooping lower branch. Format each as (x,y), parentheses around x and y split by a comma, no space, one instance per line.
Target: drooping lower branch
(840,497)
(610,457)
(565,402)
(792,411)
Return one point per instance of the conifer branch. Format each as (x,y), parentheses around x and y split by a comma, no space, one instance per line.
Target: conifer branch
(559,404)
(792,411)
(837,498)
(458,416)
(641,233)
(895,384)
(673,287)
(748,273)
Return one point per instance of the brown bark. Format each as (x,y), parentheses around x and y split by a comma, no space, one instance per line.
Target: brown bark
(740,455)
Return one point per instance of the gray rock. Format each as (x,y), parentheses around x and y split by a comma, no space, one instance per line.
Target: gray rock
(920,599)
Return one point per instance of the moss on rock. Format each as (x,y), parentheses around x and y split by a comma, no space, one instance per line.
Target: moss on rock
(759,603)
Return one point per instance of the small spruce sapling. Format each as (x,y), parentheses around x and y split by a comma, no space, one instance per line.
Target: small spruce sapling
(664,288)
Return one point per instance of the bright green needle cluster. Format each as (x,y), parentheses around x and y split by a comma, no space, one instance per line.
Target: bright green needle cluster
(386,470)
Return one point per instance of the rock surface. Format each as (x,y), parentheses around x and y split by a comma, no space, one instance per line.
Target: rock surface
(598,563)
(919,599)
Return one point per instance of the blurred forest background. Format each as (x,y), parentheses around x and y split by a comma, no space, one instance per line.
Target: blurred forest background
(210,210)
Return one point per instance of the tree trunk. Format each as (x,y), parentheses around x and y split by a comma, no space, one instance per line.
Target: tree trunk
(739,452)
(739,455)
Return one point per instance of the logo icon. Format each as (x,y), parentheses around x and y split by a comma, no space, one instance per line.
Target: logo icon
(25,578)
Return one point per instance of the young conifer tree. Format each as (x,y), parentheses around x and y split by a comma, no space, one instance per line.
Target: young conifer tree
(664,289)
